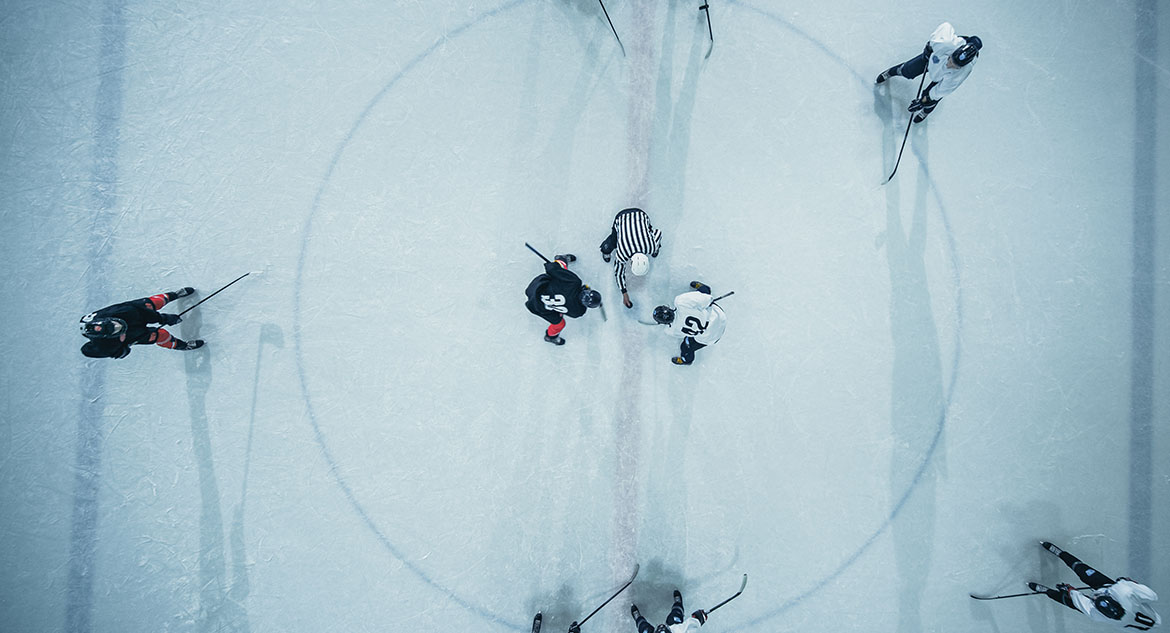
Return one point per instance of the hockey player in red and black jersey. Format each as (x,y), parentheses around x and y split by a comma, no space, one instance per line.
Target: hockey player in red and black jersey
(113,329)
(558,293)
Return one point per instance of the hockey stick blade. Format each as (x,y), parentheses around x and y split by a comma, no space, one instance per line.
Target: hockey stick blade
(1016,595)
(741,588)
(601,307)
(616,594)
(710,47)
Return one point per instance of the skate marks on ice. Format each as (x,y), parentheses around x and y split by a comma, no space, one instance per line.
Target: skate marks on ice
(300,310)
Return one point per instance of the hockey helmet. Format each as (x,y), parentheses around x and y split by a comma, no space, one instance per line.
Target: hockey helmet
(590,298)
(663,315)
(639,264)
(95,328)
(1108,607)
(967,53)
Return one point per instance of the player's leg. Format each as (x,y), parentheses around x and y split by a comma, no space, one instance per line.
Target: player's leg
(686,351)
(163,338)
(1087,574)
(676,611)
(909,69)
(1060,595)
(159,300)
(639,621)
(552,333)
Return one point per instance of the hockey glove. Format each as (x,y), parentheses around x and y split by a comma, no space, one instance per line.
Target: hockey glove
(701,616)
(168,319)
(928,50)
(919,104)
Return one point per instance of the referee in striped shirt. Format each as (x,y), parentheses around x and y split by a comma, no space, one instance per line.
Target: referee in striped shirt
(630,241)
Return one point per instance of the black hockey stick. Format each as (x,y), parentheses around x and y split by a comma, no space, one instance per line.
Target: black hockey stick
(537,253)
(720,297)
(619,591)
(1016,595)
(908,124)
(536,623)
(215,293)
(741,587)
(611,27)
(707,10)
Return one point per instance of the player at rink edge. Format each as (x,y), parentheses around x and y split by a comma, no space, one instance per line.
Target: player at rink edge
(1122,601)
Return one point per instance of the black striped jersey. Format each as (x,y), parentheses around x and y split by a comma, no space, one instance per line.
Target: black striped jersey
(634,235)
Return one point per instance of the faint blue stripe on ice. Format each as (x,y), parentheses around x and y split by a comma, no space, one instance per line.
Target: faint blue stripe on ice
(103,198)
(1141,416)
(942,419)
(305,236)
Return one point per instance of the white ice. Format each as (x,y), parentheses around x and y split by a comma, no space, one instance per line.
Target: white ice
(918,380)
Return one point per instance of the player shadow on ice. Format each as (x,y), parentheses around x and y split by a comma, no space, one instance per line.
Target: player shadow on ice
(918,398)
(219,609)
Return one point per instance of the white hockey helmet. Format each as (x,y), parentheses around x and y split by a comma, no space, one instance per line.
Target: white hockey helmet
(639,264)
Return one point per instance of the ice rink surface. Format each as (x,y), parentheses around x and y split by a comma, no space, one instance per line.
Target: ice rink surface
(917,383)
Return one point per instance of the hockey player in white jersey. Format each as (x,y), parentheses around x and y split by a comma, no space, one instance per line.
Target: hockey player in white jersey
(948,58)
(632,241)
(1122,601)
(674,622)
(695,318)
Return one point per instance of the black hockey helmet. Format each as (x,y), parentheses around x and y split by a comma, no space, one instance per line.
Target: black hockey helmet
(590,298)
(1108,607)
(967,53)
(95,328)
(663,315)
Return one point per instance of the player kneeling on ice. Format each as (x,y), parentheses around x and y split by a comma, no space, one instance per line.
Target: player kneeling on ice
(1122,601)
(696,318)
(558,293)
(113,329)
(674,622)
(948,58)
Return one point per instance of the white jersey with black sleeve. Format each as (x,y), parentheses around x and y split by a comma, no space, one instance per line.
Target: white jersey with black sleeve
(635,234)
(943,78)
(1132,596)
(697,317)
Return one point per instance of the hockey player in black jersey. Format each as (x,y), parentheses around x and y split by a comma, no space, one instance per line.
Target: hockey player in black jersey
(113,329)
(558,293)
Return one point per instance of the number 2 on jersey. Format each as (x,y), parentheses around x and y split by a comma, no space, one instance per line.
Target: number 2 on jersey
(692,326)
(554,303)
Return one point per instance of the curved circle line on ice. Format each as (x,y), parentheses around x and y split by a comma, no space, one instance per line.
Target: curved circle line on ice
(306,232)
(952,251)
(348,492)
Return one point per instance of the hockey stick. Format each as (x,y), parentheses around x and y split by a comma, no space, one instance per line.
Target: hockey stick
(611,27)
(619,591)
(1017,595)
(908,124)
(536,623)
(741,587)
(215,293)
(720,297)
(537,253)
(706,10)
